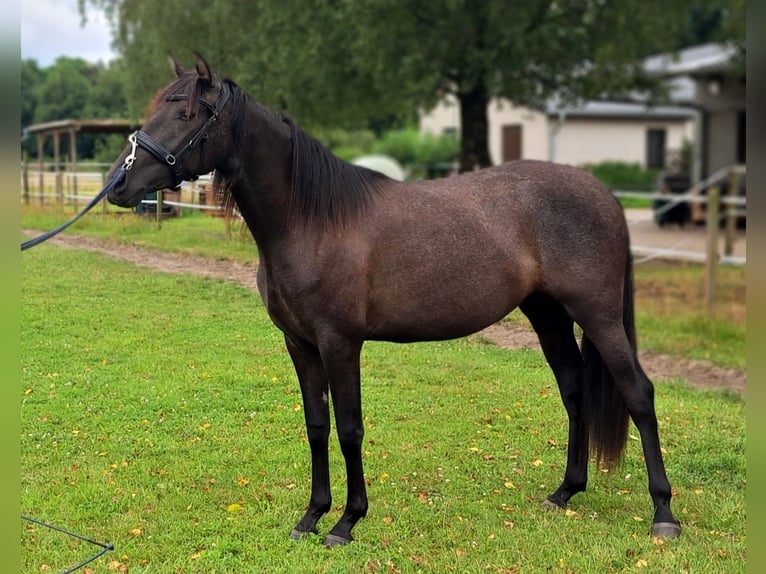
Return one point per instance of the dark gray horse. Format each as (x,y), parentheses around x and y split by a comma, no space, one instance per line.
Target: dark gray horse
(348,255)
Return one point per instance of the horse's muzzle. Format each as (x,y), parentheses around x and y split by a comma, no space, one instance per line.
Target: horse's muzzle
(120,193)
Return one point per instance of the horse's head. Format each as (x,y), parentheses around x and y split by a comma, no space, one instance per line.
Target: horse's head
(182,138)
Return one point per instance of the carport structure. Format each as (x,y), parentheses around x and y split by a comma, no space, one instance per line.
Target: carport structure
(69,128)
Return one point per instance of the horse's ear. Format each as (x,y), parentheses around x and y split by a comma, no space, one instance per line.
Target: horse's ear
(205,74)
(177,68)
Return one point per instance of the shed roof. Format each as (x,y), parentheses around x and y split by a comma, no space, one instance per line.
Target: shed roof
(104,126)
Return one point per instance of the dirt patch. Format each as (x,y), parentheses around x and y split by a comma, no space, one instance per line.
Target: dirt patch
(696,373)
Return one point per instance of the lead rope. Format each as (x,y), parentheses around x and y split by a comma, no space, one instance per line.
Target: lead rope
(104,547)
(116,179)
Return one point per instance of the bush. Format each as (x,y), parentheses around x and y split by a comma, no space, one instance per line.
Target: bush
(346,144)
(416,150)
(619,175)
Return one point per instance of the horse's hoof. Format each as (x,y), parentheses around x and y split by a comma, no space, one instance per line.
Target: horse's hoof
(300,534)
(333,540)
(666,529)
(548,504)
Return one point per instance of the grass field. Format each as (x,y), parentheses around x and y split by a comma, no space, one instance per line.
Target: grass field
(161,413)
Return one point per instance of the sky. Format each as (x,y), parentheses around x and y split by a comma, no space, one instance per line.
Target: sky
(51,28)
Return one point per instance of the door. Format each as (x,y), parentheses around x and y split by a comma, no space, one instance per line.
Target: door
(511,143)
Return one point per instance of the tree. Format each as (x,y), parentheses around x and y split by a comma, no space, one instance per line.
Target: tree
(31,78)
(71,88)
(342,62)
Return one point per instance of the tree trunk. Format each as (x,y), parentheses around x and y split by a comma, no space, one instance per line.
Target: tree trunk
(474,144)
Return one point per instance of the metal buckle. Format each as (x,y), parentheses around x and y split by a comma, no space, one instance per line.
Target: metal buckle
(132,155)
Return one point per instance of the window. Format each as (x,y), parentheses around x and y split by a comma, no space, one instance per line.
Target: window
(655,148)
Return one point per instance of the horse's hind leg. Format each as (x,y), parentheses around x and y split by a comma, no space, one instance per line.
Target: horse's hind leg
(637,392)
(313,382)
(555,330)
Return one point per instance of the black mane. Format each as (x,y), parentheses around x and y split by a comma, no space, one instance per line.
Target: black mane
(326,189)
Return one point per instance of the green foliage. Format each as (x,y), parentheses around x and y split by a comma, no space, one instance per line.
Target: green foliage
(31,79)
(624,176)
(72,88)
(108,147)
(161,413)
(346,144)
(340,62)
(413,148)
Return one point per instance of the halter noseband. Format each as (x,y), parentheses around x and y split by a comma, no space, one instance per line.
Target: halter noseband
(143,140)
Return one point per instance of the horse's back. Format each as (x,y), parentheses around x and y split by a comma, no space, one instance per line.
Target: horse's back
(529,205)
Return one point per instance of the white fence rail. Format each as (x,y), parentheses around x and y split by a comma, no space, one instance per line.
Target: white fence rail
(67,187)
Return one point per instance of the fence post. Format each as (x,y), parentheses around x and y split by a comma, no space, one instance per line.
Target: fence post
(103,185)
(25,178)
(41,168)
(711,256)
(159,208)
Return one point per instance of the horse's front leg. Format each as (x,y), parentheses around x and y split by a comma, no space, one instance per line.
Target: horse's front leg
(313,382)
(341,361)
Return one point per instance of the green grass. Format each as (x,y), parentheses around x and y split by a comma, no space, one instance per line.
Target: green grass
(671,316)
(161,413)
(194,234)
(635,202)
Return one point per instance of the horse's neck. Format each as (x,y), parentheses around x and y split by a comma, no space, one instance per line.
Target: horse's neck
(262,192)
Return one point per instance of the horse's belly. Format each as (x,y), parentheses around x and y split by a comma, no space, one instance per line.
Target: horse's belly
(433,314)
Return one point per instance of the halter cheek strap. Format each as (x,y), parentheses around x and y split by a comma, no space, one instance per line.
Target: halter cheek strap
(143,140)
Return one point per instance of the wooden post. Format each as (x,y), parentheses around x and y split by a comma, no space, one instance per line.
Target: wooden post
(159,208)
(66,186)
(711,257)
(57,169)
(41,166)
(25,178)
(731,219)
(103,185)
(73,159)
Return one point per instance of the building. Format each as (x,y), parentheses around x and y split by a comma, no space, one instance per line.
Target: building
(714,77)
(594,132)
(707,110)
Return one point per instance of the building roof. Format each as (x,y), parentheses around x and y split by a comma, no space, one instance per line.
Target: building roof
(697,60)
(106,126)
(678,69)
(621,110)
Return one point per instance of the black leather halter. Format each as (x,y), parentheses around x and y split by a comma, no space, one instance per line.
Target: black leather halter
(143,140)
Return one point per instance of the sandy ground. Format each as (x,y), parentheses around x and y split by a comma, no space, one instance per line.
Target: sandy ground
(696,373)
(644,233)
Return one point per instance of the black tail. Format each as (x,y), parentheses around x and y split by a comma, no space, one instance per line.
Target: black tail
(604,410)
